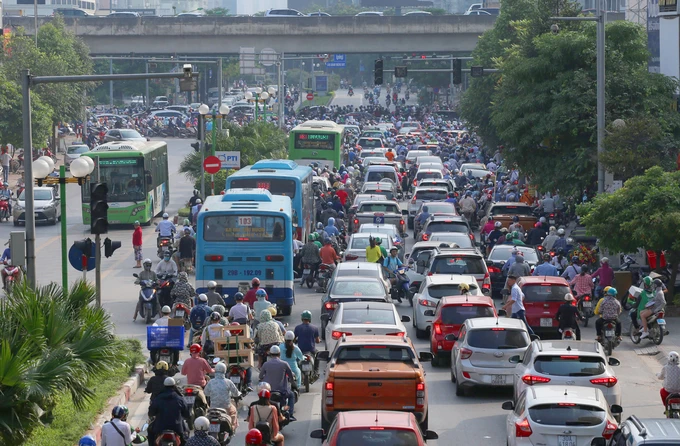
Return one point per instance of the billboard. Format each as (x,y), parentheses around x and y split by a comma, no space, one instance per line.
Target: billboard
(653,40)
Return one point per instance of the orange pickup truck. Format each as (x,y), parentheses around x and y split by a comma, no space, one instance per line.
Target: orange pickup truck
(504,211)
(374,373)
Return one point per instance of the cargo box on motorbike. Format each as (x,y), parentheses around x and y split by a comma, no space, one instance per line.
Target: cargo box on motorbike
(235,349)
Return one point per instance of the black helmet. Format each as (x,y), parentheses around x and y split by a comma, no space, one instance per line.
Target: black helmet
(238,296)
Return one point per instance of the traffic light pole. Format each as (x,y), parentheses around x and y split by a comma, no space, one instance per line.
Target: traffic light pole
(98,268)
(64,236)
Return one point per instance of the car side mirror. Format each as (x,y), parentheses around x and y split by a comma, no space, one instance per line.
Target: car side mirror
(515,359)
(405,319)
(502,313)
(323,356)
(407,255)
(425,356)
(325,317)
(508,405)
(616,409)
(599,441)
(488,262)
(614,362)
(431,435)
(319,434)
(451,337)
(429,313)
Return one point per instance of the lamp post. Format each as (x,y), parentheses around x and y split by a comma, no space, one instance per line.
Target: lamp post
(224,111)
(271,93)
(256,95)
(80,168)
(203,110)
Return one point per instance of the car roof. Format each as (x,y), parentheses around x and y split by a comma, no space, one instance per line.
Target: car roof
(658,427)
(546,394)
(396,341)
(379,226)
(534,280)
(429,170)
(468,299)
(391,202)
(495,322)
(359,266)
(510,203)
(440,217)
(368,305)
(357,278)
(381,418)
(442,279)
(428,245)
(569,347)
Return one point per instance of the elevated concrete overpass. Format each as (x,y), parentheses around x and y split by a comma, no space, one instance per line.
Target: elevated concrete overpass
(301,35)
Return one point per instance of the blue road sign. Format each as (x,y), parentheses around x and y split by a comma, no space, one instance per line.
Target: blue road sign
(339,58)
(336,65)
(75,258)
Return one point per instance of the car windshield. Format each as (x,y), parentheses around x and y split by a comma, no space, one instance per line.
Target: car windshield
(447,226)
(567,414)
(390,230)
(369,436)
(75,150)
(497,338)
(374,353)
(542,292)
(130,134)
(368,315)
(440,208)
(447,289)
(569,365)
(431,195)
(458,265)
(37,194)
(460,239)
(373,142)
(503,253)
(376,176)
(435,182)
(511,210)
(457,314)
(362,242)
(379,207)
(363,288)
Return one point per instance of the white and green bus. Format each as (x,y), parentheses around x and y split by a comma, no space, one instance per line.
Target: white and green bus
(136,174)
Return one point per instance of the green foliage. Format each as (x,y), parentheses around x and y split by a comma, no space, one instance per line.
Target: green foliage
(318,100)
(216,12)
(341,7)
(434,11)
(50,342)
(220,182)
(11,119)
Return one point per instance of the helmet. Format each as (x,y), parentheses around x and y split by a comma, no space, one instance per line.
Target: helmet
(574,259)
(119,411)
(560,231)
(218,308)
(264,393)
(201,424)
(569,297)
(542,220)
(551,229)
(464,288)
(306,315)
(238,296)
(261,293)
(510,236)
(546,257)
(195,348)
(612,291)
(169,382)
(165,215)
(604,260)
(289,336)
(657,283)
(274,350)
(221,368)
(147,261)
(212,284)
(255,281)
(341,215)
(162,365)
(515,234)
(319,225)
(673,358)
(202,297)
(166,309)
(215,316)
(498,224)
(378,240)
(272,310)
(515,218)
(647,282)
(253,437)
(87,440)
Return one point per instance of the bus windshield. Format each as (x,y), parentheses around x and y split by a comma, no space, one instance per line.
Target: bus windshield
(124,177)
(274,185)
(248,228)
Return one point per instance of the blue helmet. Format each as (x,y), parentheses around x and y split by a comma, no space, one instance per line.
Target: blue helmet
(261,293)
(87,440)
(612,291)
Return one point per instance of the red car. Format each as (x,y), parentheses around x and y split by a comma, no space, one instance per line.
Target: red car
(360,427)
(449,316)
(542,298)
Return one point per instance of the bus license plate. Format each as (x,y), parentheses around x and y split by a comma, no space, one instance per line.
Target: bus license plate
(566,440)
(587,304)
(215,427)
(498,380)
(189,399)
(609,333)
(546,322)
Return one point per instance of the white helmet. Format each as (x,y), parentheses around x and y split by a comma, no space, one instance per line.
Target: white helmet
(201,424)
(221,367)
(165,215)
(212,284)
(289,336)
(166,309)
(275,350)
(673,358)
(169,382)
(202,297)
(560,231)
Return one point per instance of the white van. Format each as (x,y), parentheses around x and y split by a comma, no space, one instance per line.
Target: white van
(376,173)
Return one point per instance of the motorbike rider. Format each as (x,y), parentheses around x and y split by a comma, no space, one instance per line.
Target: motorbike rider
(328,254)
(220,391)
(656,303)
(147,274)
(561,242)
(167,265)
(240,312)
(187,250)
(468,206)
(515,225)
(169,412)
(535,236)
(494,236)
(571,271)
(199,314)
(519,268)
(251,295)
(550,239)
(118,432)
(262,303)
(568,315)
(194,197)
(310,256)
(331,229)
(307,335)
(163,320)
(606,275)
(546,268)
(582,283)
(278,374)
(195,209)
(392,264)
(609,309)
(182,292)
(165,227)
(547,205)
(670,374)
(6,193)
(292,354)
(195,368)
(268,334)
(201,436)
(264,411)
(214,297)
(156,384)
(211,331)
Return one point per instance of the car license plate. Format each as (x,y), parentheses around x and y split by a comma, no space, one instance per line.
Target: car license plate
(498,380)
(179,313)
(566,440)
(306,367)
(661,321)
(587,304)
(189,399)
(215,427)
(235,379)
(546,322)
(305,271)
(609,333)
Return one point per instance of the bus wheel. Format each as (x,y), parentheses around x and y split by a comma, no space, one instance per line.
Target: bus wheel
(286,310)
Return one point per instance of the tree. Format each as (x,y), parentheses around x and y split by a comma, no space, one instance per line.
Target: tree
(11,118)
(50,342)
(644,213)
(222,12)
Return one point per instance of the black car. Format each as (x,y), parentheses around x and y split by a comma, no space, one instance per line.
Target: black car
(497,258)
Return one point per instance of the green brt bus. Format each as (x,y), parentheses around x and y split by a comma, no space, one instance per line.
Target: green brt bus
(136,174)
(317,141)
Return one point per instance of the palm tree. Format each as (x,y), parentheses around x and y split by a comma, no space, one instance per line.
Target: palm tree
(50,342)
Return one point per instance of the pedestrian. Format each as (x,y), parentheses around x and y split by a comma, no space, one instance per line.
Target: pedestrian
(6,158)
(516,302)
(137,244)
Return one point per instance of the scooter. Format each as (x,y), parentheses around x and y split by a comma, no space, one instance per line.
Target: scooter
(168,438)
(585,307)
(164,245)
(325,273)
(166,283)
(309,375)
(147,295)
(220,425)
(308,275)
(609,340)
(169,355)
(12,275)
(4,209)
(189,394)
(181,311)
(401,287)
(673,405)
(657,328)
(237,375)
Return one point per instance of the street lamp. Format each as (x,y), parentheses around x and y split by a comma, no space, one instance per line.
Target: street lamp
(257,95)
(81,167)
(203,110)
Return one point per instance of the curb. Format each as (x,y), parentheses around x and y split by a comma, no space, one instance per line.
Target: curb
(121,398)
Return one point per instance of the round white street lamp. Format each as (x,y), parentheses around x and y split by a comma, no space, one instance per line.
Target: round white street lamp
(41,169)
(258,90)
(224,109)
(80,168)
(618,123)
(249,95)
(203,109)
(272,91)
(49,161)
(264,96)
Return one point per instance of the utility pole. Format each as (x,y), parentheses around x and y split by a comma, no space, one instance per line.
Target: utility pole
(28,174)
(281,94)
(111,83)
(220,93)
(98,268)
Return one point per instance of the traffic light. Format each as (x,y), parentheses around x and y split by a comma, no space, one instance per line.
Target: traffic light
(378,72)
(457,72)
(84,246)
(99,222)
(196,146)
(110,246)
(400,71)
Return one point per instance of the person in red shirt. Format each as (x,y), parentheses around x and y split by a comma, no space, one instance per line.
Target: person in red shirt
(328,254)
(342,194)
(137,244)
(250,297)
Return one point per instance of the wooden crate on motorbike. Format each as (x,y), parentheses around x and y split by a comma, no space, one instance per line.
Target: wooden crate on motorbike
(235,349)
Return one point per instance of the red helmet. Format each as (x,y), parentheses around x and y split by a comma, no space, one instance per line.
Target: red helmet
(264,393)
(195,348)
(253,437)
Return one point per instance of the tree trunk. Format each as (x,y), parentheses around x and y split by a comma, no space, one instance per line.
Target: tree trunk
(671,282)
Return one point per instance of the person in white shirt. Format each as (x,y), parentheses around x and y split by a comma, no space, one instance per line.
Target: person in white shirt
(165,227)
(214,330)
(167,266)
(117,432)
(6,159)
(240,312)
(163,321)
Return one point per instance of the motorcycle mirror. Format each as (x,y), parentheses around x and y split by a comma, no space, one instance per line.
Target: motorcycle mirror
(216,360)
(135,275)
(180,363)
(145,427)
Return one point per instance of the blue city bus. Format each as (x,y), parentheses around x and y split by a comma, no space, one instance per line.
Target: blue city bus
(282,177)
(243,234)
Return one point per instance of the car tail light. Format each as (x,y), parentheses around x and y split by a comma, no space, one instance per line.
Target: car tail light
(401,222)
(413,200)
(486,285)
(351,257)
(607,382)
(426,303)
(472,236)
(437,328)
(425,237)
(420,395)
(338,334)
(329,393)
(495,270)
(213,258)
(274,258)
(523,429)
(533,379)
(356,222)
(415,182)
(401,334)
(330,305)
(566,404)
(609,430)
(465,353)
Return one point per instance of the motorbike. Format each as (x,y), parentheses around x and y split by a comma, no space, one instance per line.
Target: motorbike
(609,339)
(181,311)
(673,405)
(309,375)
(169,355)
(350,93)
(165,284)
(12,275)
(325,273)
(585,307)
(164,245)
(279,400)
(189,393)
(308,275)
(237,375)
(220,425)
(148,297)
(168,438)
(4,208)
(568,334)
(552,218)
(657,328)
(401,286)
